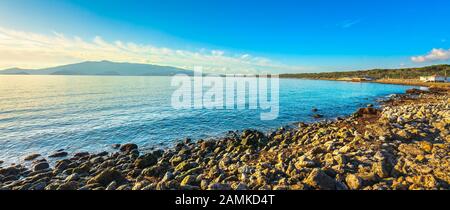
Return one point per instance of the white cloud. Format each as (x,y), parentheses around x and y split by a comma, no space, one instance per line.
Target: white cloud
(348,23)
(33,50)
(433,55)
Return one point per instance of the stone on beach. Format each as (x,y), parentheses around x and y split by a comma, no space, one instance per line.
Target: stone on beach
(128,147)
(106,177)
(58,154)
(32,157)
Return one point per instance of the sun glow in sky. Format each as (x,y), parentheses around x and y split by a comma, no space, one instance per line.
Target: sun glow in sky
(224,36)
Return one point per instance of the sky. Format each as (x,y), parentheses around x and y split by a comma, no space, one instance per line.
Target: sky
(227,36)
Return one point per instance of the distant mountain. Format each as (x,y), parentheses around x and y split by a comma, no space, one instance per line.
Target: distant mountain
(102,68)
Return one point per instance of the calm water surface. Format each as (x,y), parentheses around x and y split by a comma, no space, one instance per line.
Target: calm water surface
(89,113)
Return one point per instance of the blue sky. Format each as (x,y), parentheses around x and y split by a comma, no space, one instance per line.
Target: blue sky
(278,36)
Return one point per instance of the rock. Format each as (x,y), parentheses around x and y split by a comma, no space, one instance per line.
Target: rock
(415,91)
(188,180)
(305,163)
(158,153)
(240,186)
(140,185)
(13,170)
(126,148)
(167,177)
(345,149)
(96,160)
(381,169)
(281,187)
(368,111)
(39,186)
(317,116)
(72,177)
(253,138)
(10,178)
(62,164)
(404,134)
(320,180)
(206,145)
(83,168)
(81,154)
(71,185)
(219,186)
(58,154)
(410,149)
(31,157)
(427,181)
(145,161)
(353,181)
(112,186)
(426,146)
(189,187)
(152,171)
(116,146)
(41,166)
(185,165)
(314,110)
(107,176)
(104,153)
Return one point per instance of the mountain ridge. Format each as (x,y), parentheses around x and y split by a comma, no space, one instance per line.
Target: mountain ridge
(102,68)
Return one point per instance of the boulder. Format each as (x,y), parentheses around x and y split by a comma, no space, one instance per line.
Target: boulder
(185,165)
(381,168)
(188,180)
(253,138)
(41,166)
(317,116)
(415,91)
(31,157)
(62,164)
(71,185)
(13,170)
(58,154)
(106,177)
(81,154)
(367,111)
(72,177)
(410,149)
(353,181)
(320,180)
(145,161)
(128,147)
(153,171)
(219,186)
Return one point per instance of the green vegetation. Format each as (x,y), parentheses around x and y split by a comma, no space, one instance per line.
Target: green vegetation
(406,73)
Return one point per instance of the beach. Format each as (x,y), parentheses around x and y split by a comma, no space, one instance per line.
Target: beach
(403,145)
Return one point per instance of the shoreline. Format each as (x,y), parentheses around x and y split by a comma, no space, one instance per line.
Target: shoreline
(407,82)
(320,155)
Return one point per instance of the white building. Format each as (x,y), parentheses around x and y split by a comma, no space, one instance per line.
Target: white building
(434,78)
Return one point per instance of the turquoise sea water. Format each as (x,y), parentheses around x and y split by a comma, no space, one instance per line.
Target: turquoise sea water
(42,114)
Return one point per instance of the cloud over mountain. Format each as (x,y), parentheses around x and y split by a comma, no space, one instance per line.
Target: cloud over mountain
(34,50)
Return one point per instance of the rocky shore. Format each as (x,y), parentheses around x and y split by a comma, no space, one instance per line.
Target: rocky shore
(404,145)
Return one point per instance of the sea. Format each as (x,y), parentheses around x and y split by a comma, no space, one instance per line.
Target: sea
(45,113)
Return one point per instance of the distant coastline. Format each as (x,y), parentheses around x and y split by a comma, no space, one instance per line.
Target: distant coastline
(405,76)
